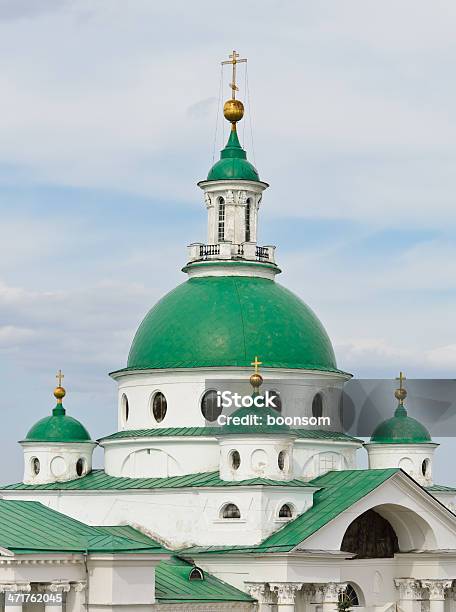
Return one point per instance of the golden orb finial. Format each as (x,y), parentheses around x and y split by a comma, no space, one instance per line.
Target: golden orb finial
(59,391)
(400,393)
(256,380)
(233,110)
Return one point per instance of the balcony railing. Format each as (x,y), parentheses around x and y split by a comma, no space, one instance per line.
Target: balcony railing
(228,251)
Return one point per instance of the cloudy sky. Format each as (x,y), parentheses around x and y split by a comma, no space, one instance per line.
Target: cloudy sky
(108,115)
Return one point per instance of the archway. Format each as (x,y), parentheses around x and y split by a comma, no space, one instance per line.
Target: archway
(370,536)
(383,530)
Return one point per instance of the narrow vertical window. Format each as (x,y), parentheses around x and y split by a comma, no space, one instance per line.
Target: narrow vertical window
(247,220)
(221,220)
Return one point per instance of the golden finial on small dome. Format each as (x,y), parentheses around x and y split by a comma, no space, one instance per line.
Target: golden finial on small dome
(59,391)
(256,380)
(400,393)
(233,110)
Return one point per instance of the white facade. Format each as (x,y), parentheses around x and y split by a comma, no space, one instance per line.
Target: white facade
(56,462)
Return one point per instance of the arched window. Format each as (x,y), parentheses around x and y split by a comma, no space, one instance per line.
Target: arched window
(35,466)
(210,406)
(370,536)
(235,459)
(196,574)
(230,511)
(282,460)
(125,408)
(80,466)
(248,213)
(317,406)
(159,406)
(285,511)
(425,467)
(348,598)
(274,395)
(221,219)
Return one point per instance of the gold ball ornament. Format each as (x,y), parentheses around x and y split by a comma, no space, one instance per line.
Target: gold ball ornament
(59,393)
(256,380)
(233,110)
(400,394)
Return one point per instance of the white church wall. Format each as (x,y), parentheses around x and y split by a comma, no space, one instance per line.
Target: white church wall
(415,459)
(160,457)
(182,517)
(312,458)
(46,462)
(184,389)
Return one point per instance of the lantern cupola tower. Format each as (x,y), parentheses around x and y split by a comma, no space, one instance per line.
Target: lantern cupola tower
(232,194)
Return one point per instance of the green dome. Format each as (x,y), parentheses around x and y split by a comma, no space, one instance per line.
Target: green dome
(400,429)
(58,428)
(226,321)
(233,163)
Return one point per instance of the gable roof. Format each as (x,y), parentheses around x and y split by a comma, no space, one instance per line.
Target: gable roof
(28,527)
(98,480)
(172,585)
(338,491)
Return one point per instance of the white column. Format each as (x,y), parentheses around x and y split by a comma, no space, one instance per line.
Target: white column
(309,595)
(330,595)
(262,593)
(76,597)
(14,589)
(436,590)
(409,594)
(452,599)
(286,592)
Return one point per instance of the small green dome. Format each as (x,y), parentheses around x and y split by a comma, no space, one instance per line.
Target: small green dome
(233,163)
(59,427)
(225,321)
(254,429)
(401,429)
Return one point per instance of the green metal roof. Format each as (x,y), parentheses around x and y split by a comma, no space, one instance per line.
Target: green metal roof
(339,491)
(172,585)
(226,321)
(30,527)
(435,488)
(311,434)
(400,429)
(98,480)
(233,163)
(59,427)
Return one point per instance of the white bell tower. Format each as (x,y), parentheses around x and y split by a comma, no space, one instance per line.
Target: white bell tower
(232,194)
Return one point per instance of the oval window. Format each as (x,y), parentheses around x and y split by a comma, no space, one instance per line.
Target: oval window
(209,406)
(159,407)
(231,511)
(80,466)
(235,459)
(275,398)
(425,467)
(317,406)
(281,460)
(125,408)
(36,466)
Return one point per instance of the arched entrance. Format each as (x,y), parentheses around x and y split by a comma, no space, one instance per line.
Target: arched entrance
(370,536)
(384,530)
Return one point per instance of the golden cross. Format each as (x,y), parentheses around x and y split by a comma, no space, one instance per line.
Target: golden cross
(234,59)
(256,363)
(60,377)
(401,379)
